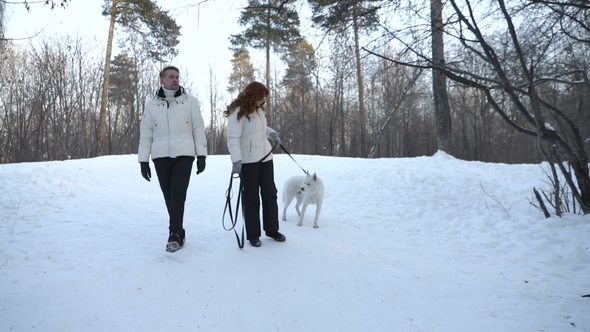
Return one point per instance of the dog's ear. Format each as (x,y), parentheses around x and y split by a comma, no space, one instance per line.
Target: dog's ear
(315,177)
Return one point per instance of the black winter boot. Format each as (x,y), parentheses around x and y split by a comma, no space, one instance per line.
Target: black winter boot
(175,240)
(277,236)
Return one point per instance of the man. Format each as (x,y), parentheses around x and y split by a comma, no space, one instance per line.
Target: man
(173,132)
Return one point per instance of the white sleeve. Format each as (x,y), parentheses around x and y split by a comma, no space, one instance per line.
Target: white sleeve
(269,130)
(234,136)
(146,135)
(198,129)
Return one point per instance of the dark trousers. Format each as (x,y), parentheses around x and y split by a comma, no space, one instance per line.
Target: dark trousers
(258,182)
(174,175)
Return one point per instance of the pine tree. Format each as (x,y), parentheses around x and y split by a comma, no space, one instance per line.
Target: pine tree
(300,64)
(242,71)
(298,89)
(122,88)
(272,24)
(160,34)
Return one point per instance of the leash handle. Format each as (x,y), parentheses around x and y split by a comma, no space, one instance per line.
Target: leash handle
(233,217)
(228,196)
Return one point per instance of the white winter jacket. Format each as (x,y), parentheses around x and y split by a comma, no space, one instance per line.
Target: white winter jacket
(247,140)
(172,127)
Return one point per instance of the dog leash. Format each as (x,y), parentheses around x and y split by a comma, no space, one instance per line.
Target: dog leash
(287,152)
(234,217)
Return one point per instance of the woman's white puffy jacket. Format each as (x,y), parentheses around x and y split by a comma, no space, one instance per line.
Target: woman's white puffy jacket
(247,140)
(172,127)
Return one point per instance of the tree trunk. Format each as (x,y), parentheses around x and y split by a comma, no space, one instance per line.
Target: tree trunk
(439,84)
(583,179)
(213,103)
(1,25)
(359,78)
(267,49)
(102,121)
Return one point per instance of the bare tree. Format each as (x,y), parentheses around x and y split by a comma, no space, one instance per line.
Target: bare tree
(47,115)
(216,120)
(51,3)
(391,87)
(3,3)
(519,63)
(336,16)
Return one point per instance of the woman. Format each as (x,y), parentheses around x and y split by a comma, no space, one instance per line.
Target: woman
(250,152)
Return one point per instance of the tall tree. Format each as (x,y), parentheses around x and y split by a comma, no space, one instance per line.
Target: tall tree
(517,63)
(336,16)
(301,63)
(442,108)
(242,71)
(298,84)
(123,84)
(160,34)
(272,24)
(1,26)
(1,16)
(214,115)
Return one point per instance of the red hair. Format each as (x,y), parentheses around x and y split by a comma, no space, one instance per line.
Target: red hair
(247,100)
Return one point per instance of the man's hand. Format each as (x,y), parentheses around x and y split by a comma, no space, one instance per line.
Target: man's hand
(200,164)
(146,172)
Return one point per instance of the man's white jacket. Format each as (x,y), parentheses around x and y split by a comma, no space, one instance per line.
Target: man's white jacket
(172,127)
(247,140)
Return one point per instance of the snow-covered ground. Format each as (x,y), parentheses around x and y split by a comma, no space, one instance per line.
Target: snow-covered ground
(410,244)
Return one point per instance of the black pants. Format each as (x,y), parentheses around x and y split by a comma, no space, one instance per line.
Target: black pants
(174,175)
(258,182)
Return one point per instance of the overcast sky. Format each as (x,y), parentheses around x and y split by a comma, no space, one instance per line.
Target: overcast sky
(204,42)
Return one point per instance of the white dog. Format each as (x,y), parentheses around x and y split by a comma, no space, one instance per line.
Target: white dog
(307,189)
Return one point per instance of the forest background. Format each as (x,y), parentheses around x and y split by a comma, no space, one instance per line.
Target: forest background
(488,80)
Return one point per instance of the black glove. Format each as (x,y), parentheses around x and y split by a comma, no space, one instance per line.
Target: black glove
(200,164)
(146,172)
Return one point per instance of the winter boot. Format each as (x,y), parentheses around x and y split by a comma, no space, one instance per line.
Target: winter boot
(175,240)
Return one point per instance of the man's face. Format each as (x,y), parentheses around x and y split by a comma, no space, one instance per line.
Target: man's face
(170,80)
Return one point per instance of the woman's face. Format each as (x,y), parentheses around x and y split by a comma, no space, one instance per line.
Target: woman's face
(260,103)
